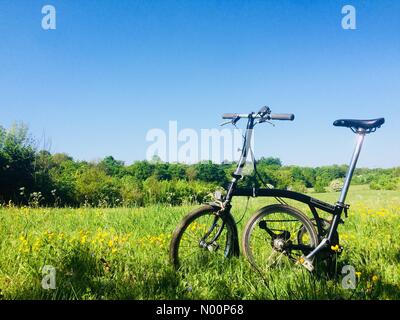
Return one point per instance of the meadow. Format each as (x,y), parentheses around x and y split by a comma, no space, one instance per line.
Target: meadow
(122,253)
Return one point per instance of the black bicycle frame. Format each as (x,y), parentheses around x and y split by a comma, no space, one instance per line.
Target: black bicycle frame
(314,204)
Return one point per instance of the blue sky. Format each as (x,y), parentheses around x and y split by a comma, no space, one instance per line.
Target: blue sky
(112,70)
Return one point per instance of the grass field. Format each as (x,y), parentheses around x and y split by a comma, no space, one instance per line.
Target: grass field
(122,253)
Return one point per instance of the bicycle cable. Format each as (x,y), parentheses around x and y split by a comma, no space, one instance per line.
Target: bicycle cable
(245,210)
(248,198)
(257,175)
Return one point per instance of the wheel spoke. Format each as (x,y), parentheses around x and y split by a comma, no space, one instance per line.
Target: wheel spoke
(277,235)
(201,225)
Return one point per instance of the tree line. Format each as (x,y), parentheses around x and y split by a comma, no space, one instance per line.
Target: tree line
(29,176)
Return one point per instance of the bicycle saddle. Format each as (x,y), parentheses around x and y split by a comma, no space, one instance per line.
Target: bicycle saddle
(360,124)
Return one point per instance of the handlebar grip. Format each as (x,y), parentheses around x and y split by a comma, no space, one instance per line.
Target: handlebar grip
(282,116)
(229,116)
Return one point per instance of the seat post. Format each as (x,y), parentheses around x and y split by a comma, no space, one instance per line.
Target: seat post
(359,141)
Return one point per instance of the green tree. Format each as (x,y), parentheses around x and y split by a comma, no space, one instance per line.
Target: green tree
(270,161)
(17,156)
(320,185)
(140,170)
(177,171)
(112,167)
(63,176)
(43,163)
(210,172)
(161,171)
(95,187)
(309,176)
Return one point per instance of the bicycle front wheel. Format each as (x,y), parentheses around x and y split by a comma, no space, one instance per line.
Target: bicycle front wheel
(277,236)
(202,238)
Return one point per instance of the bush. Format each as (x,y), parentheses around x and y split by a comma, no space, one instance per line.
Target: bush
(37,177)
(131,192)
(319,186)
(210,172)
(17,157)
(384,183)
(95,188)
(299,187)
(336,185)
(175,192)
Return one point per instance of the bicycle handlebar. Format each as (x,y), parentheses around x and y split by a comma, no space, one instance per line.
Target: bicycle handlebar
(271,116)
(230,116)
(281,116)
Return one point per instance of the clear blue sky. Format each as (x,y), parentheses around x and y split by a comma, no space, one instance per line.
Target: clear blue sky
(112,70)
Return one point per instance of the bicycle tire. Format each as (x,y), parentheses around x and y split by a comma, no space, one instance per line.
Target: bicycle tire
(229,225)
(275,209)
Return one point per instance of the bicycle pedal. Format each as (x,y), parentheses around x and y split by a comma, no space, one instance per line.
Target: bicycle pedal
(306,263)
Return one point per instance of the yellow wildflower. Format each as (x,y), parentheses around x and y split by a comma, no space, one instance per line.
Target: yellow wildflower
(335,248)
(83,239)
(36,245)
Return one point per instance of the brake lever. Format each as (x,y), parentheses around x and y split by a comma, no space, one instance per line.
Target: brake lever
(262,120)
(233,121)
(225,123)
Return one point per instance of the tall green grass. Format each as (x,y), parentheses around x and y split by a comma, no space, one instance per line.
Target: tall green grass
(122,253)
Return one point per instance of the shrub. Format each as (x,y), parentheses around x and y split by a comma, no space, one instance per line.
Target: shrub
(336,185)
(384,183)
(17,156)
(299,187)
(175,192)
(131,192)
(37,178)
(319,186)
(210,172)
(96,188)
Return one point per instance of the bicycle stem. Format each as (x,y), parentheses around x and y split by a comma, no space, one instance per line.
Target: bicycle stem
(242,161)
(245,148)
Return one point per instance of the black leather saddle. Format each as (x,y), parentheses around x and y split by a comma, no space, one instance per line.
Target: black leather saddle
(369,125)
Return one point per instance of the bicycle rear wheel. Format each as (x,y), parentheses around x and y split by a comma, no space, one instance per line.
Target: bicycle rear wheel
(277,236)
(202,238)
